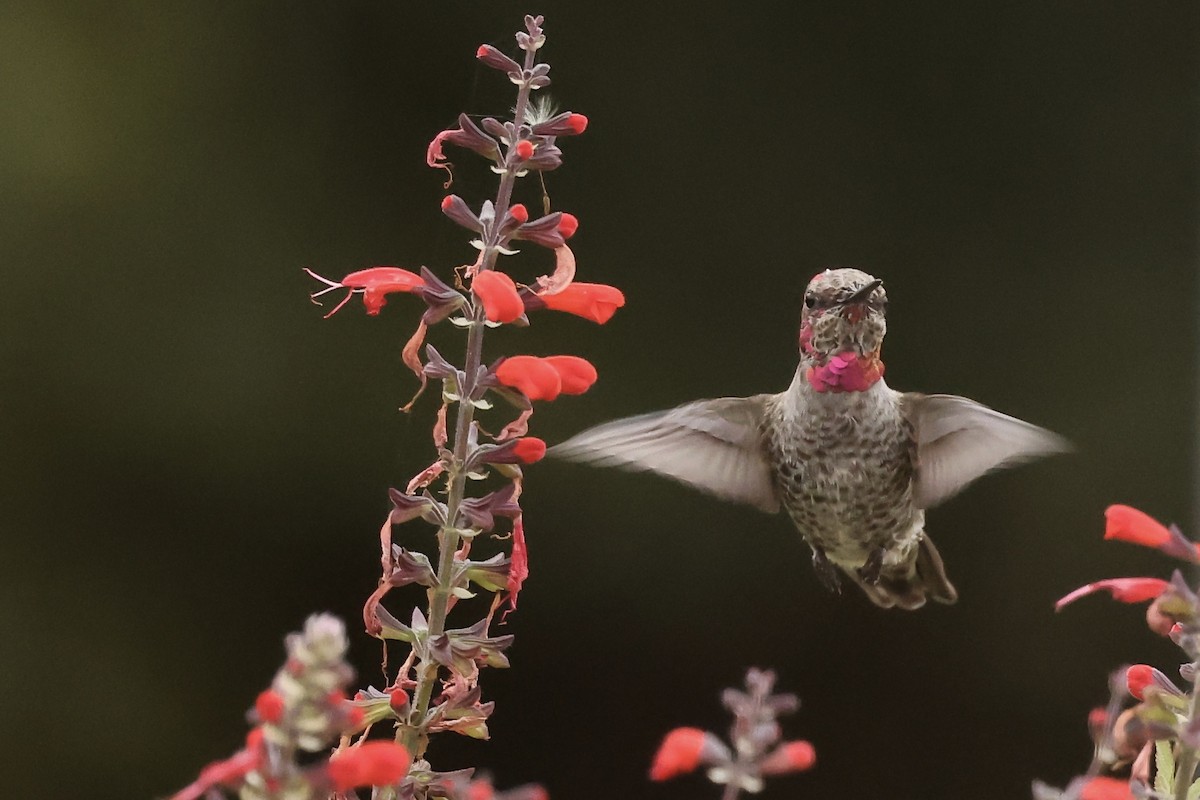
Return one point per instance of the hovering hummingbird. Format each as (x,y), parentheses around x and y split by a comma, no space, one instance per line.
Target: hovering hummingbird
(854,463)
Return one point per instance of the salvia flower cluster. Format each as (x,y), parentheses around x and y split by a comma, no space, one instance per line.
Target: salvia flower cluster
(1151,726)
(304,712)
(758,747)
(470,492)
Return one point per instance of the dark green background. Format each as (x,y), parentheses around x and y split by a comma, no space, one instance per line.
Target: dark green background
(193,461)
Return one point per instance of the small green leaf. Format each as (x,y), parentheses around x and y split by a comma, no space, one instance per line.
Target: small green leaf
(1164,767)
(1193,791)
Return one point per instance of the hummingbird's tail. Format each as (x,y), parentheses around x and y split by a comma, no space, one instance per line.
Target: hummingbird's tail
(910,585)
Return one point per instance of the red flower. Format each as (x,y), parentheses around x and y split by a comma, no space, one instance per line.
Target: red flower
(1125,590)
(577,123)
(398,699)
(524,149)
(531,376)
(567,225)
(498,293)
(374,284)
(1137,678)
(520,213)
(269,706)
(678,754)
(789,757)
(595,301)
(529,449)
(1130,525)
(376,763)
(1105,789)
(577,373)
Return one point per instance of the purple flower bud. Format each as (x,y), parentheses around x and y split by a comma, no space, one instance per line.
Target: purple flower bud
(456,209)
(497,60)
(441,298)
(543,230)
(480,512)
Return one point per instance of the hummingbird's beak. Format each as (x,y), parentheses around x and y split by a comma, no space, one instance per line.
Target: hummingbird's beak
(862,294)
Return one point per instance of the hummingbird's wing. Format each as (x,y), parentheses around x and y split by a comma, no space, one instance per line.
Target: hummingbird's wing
(713,445)
(958,440)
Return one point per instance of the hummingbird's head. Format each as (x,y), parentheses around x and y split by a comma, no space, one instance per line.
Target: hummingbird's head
(844,311)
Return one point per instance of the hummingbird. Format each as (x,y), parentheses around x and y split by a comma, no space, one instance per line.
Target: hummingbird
(853,463)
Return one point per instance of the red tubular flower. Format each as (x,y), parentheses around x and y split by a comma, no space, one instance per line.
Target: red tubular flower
(567,225)
(498,293)
(577,374)
(531,376)
(1137,678)
(1105,788)
(374,284)
(1127,524)
(269,706)
(595,301)
(794,756)
(398,700)
(529,449)
(678,754)
(524,149)
(520,213)
(1125,590)
(376,763)
(577,123)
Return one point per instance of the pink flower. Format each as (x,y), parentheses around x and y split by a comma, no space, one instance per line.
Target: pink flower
(374,284)
(1125,590)
(375,763)
(531,376)
(1127,524)
(498,293)
(595,301)
(678,754)
(577,374)
(269,706)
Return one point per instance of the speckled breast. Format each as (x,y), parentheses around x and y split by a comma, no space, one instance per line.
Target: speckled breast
(844,466)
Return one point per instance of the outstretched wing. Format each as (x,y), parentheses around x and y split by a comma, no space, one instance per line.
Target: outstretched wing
(958,440)
(713,445)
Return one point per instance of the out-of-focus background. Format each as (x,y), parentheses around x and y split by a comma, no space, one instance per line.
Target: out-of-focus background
(192,460)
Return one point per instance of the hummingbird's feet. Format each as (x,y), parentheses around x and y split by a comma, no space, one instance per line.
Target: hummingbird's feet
(869,571)
(826,571)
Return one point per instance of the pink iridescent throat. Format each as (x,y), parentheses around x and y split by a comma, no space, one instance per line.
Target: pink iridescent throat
(846,372)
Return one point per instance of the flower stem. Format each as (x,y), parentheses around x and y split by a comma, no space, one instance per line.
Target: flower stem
(415,736)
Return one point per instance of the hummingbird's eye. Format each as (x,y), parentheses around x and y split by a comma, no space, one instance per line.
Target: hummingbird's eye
(810,300)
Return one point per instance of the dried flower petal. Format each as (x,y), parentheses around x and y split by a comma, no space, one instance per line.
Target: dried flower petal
(518,569)
(498,293)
